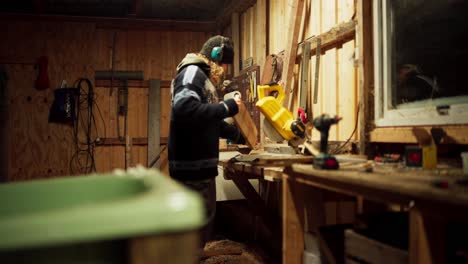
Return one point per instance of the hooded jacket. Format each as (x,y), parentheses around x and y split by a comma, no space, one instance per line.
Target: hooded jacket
(197,122)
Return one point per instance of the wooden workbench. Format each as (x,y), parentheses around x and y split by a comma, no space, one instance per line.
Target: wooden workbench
(430,208)
(262,166)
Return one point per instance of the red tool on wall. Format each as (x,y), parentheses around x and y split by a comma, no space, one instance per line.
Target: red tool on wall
(42,81)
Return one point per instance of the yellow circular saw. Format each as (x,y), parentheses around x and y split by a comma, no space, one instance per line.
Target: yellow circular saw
(279,123)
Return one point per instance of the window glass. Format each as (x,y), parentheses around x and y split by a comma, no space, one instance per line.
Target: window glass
(429,52)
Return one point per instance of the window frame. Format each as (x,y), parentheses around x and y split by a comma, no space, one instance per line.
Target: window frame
(386,114)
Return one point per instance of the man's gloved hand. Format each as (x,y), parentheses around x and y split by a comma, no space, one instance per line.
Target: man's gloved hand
(238,98)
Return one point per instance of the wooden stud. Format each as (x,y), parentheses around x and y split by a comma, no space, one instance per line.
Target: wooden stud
(365,69)
(293,220)
(154,119)
(427,238)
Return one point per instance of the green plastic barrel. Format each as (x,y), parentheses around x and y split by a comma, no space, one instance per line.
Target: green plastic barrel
(90,218)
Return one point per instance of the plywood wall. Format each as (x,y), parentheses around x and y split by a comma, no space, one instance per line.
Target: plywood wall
(337,91)
(38,149)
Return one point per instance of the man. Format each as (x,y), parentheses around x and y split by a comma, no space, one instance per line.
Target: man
(197,121)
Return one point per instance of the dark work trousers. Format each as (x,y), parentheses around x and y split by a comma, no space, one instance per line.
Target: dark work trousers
(207,189)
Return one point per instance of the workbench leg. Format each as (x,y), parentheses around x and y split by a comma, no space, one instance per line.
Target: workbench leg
(314,204)
(293,221)
(427,241)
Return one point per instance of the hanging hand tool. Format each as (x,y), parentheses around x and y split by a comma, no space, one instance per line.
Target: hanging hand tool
(317,69)
(304,84)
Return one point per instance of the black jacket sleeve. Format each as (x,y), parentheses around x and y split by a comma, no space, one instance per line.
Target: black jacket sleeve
(190,103)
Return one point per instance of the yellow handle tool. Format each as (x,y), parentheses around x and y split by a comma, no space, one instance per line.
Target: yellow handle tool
(271,107)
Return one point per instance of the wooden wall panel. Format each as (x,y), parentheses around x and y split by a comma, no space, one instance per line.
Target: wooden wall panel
(75,50)
(337,73)
(347,77)
(254,33)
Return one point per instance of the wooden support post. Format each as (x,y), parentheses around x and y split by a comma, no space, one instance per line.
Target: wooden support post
(295,15)
(427,238)
(365,69)
(154,116)
(254,200)
(293,220)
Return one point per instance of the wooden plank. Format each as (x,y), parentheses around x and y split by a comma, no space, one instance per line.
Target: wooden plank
(272,159)
(136,141)
(243,84)
(131,83)
(154,119)
(253,171)
(246,125)
(295,16)
(428,238)
(388,185)
(453,134)
(365,69)
(333,38)
(272,69)
(372,251)
(118,141)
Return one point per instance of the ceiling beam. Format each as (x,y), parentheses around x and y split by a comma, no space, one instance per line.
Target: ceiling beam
(120,23)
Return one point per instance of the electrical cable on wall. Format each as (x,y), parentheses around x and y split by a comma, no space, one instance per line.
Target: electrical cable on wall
(85,129)
(336,150)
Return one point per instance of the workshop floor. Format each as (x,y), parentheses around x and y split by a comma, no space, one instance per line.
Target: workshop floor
(239,237)
(228,251)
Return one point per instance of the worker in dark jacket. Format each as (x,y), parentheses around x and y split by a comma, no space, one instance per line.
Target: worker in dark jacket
(197,121)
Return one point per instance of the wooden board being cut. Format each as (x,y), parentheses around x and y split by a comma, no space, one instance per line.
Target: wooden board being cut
(244,83)
(247,126)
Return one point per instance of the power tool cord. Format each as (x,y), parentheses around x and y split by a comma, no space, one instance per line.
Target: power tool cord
(85,138)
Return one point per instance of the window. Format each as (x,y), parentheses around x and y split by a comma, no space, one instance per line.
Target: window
(421,62)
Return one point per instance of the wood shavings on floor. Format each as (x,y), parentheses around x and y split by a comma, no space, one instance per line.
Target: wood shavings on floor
(231,252)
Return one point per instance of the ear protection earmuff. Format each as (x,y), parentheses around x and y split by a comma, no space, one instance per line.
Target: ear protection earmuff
(217,52)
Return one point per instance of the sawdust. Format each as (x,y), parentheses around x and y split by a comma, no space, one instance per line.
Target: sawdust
(231,252)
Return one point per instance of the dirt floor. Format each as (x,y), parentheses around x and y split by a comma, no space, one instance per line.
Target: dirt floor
(228,251)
